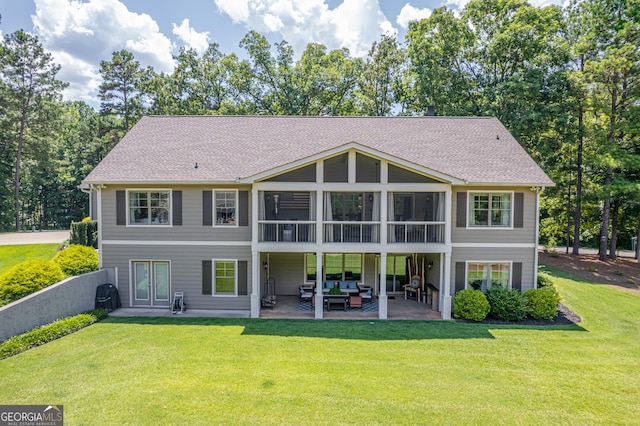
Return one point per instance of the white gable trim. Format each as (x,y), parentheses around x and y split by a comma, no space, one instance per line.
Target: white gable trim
(355,147)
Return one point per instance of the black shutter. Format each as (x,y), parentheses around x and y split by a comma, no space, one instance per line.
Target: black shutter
(516,278)
(121,207)
(207,278)
(461,209)
(207,208)
(460,276)
(243,279)
(177,207)
(243,208)
(518,210)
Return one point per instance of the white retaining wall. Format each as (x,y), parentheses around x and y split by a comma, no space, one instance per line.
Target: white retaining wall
(66,298)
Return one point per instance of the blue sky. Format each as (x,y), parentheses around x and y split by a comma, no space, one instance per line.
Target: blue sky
(81,33)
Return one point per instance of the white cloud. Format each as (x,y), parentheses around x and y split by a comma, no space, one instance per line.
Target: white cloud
(238,10)
(192,38)
(409,13)
(81,34)
(354,24)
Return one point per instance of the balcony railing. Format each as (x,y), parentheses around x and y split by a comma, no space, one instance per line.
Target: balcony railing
(298,231)
(415,232)
(351,232)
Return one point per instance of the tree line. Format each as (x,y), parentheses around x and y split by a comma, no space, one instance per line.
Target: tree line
(563,80)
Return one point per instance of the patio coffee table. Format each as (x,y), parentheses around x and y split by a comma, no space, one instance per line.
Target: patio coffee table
(338,300)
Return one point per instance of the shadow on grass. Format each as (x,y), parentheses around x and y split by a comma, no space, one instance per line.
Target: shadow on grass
(347,329)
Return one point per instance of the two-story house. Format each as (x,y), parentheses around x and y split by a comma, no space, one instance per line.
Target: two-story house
(213,206)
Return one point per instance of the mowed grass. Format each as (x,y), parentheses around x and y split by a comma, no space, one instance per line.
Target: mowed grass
(150,371)
(14,254)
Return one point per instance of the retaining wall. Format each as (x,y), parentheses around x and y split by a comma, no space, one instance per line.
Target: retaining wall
(66,298)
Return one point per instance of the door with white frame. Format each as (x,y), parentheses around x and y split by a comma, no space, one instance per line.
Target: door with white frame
(150,283)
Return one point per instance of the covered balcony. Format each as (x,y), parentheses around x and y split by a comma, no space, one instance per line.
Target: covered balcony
(351,217)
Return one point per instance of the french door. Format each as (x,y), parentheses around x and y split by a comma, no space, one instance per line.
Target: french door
(150,283)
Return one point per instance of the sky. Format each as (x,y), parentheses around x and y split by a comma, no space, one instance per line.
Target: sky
(81,33)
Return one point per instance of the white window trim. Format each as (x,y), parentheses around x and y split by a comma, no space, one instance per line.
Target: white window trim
(324,265)
(492,227)
(149,225)
(152,278)
(487,262)
(214,212)
(213,278)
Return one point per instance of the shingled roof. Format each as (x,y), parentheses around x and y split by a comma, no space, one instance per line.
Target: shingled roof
(165,149)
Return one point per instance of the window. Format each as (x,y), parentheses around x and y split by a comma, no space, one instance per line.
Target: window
(344,206)
(225,204)
(224,278)
(346,266)
(491,209)
(149,207)
(484,275)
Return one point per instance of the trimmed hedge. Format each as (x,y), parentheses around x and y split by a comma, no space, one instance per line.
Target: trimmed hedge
(471,305)
(77,260)
(542,303)
(28,277)
(85,233)
(49,332)
(506,305)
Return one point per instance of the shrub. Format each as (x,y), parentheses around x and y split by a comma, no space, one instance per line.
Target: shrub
(544,280)
(77,259)
(506,305)
(49,332)
(28,277)
(542,303)
(471,305)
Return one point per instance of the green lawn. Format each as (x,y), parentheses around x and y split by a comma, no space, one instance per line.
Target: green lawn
(149,371)
(12,255)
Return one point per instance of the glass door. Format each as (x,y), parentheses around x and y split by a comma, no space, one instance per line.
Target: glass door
(396,273)
(151,283)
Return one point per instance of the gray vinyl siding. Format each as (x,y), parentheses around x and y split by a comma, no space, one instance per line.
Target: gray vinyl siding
(186,271)
(287,269)
(191,229)
(526,234)
(522,255)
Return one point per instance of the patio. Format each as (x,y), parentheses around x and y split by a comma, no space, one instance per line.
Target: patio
(397,308)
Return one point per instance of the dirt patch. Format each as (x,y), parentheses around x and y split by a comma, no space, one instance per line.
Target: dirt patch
(623,272)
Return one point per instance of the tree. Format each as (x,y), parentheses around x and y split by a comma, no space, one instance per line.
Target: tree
(120,89)
(30,87)
(612,72)
(381,84)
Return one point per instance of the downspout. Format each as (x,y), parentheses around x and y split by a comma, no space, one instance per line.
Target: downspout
(88,189)
(537,190)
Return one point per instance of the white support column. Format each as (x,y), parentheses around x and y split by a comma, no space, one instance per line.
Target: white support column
(383,216)
(255,284)
(319,216)
(382,296)
(446,297)
(319,277)
(384,172)
(351,166)
(448,218)
(254,217)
